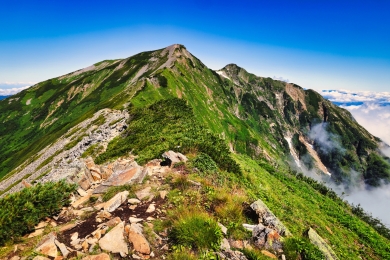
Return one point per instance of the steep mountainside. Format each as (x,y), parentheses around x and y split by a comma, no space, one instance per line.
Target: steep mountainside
(263,118)
(231,143)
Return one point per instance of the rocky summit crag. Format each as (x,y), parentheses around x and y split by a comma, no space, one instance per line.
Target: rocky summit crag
(106,128)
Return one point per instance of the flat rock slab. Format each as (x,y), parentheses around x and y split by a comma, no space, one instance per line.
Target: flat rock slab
(114,241)
(138,240)
(318,241)
(47,245)
(116,201)
(117,179)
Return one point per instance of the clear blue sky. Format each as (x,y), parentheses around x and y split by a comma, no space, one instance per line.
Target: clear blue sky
(315,44)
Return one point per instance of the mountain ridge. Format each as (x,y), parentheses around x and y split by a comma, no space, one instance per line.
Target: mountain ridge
(242,134)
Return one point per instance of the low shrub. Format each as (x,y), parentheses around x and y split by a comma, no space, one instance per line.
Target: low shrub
(204,163)
(301,248)
(196,230)
(21,211)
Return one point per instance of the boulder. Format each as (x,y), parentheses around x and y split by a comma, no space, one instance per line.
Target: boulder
(172,158)
(84,183)
(47,245)
(115,201)
(138,240)
(133,201)
(267,218)
(114,241)
(129,176)
(81,200)
(318,241)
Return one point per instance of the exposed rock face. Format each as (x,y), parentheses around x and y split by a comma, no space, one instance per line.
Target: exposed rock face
(268,219)
(114,241)
(321,244)
(67,163)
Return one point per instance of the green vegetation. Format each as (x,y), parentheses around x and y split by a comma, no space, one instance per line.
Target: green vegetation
(301,248)
(21,211)
(168,125)
(195,230)
(204,163)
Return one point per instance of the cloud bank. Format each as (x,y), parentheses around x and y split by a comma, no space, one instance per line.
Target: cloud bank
(11,88)
(370,109)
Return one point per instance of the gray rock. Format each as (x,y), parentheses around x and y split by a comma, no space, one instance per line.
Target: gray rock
(318,241)
(267,218)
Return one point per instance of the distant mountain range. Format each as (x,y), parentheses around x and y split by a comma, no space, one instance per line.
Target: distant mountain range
(3,97)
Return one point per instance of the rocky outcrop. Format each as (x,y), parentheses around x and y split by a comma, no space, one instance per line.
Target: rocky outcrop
(318,241)
(54,162)
(269,232)
(268,219)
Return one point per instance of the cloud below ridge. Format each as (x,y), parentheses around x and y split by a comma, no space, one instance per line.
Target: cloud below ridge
(370,109)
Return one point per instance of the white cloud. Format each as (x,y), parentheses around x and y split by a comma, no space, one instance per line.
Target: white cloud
(11,91)
(370,109)
(281,79)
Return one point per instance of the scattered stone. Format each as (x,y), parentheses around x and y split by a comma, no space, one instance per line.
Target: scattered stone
(15,257)
(150,218)
(81,192)
(36,233)
(225,244)
(116,201)
(38,257)
(134,256)
(163,194)
(283,257)
(64,251)
(135,220)
(59,257)
(133,201)
(84,183)
(102,256)
(138,240)
(114,241)
(151,208)
(81,200)
(143,193)
(85,246)
(103,215)
(133,207)
(269,254)
(223,228)
(249,227)
(47,245)
(113,222)
(318,241)
(236,244)
(67,227)
(26,184)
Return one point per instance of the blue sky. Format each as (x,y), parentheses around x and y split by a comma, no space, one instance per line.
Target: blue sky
(315,44)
